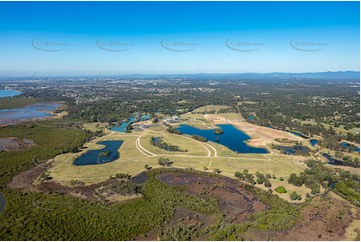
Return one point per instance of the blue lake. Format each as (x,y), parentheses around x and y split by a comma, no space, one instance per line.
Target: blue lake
(332,161)
(232,138)
(92,157)
(123,126)
(37,110)
(314,142)
(9,93)
(292,150)
(355,148)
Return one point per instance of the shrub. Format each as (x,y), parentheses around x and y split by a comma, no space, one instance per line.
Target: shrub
(259,180)
(267,183)
(281,189)
(216,170)
(164,162)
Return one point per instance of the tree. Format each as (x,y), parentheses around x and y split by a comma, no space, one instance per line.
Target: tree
(129,128)
(293,196)
(259,180)
(239,175)
(216,170)
(315,189)
(199,138)
(164,162)
(338,154)
(267,183)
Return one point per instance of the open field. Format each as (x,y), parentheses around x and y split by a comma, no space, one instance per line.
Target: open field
(95,126)
(132,160)
(210,108)
(137,151)
(198,121)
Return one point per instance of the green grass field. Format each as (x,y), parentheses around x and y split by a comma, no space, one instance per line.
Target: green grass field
(132,160)
(211,108)
(198,121)
(137,151)
(95,126)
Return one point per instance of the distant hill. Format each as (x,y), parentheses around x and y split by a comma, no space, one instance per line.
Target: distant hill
(330,75)
(339,75)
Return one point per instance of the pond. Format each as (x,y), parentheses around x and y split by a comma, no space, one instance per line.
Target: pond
(332,161)
(123,126)
(2,203)
(232,138)
(355,148)
(293,150)
(96,157)
(9,93)
(37,110)
(314,142)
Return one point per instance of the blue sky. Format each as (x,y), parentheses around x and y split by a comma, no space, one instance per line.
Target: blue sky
(177,37)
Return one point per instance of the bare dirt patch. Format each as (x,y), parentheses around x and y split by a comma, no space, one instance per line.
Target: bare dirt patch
(24,180)
(260,135)
(14,143)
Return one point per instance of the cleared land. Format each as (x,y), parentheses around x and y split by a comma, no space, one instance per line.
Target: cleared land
(137,151)
(211,108)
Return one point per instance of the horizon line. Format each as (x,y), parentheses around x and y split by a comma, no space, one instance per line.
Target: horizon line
(174,74)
